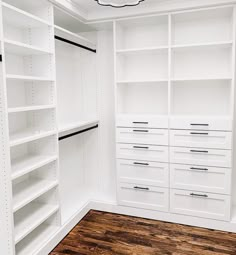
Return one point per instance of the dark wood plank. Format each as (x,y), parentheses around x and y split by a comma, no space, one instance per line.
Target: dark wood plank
(108,234)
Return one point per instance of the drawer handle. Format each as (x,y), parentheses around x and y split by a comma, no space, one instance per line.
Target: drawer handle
(198,151)
(140,188)
(141,164)
(140,147)
(198,124)
(199,169)
(197,133)
(143,131)
(198,195)
(140,122)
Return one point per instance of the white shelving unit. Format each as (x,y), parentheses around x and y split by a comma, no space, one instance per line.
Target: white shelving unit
(174,87)
(29,73)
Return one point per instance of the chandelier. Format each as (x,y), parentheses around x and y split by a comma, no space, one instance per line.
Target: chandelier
(119,3)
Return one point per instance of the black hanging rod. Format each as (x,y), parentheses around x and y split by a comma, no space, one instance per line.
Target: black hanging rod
(77,133)
(75,44)
(1,58)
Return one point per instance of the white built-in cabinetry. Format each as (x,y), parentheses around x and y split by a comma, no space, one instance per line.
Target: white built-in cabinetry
(174,82)
(29,94)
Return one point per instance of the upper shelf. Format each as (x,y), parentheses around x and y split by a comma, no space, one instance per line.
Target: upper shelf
(19,18)
(76,127)
(18,48)
(66,34)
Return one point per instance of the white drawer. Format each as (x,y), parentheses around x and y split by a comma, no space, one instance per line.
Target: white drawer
(206,205)
(201,139)
(142,136)
(145,172)
(142,152)
(205,179)
(143,121)
(196,156)
(201,123)
(142,196)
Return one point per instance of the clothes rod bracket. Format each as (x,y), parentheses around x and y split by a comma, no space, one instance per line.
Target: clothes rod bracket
(75,44)
(77,133)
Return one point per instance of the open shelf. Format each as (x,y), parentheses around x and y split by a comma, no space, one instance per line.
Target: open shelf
(30,95)
(30,65)
(141,50)
(23,49)
(142,32)
(150,98)
(201,62)
(36,239)
(202,26)
(201,97)
(68,35)
(149,66)
(28,78)
(30,217)
(222,44)
(26,136)
(30,108)
(30,189)
(29,163)
(76,127)
(17,17)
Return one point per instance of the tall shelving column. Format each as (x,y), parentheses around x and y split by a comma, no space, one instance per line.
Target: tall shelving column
(6,223)
(31,116)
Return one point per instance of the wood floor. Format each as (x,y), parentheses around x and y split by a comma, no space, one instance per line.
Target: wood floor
(106,233)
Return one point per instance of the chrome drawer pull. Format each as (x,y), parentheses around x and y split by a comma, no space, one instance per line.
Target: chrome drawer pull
(140,188)
(143,131)
(197,151)
(140,147)
(197,133)
(197,124)
(141,164)
(198,195)
(199,169)
(140,122)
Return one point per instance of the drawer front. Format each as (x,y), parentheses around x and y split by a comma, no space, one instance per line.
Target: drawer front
(145,172)
(142,136)
(142,121)
(142,196)
(142,152)
(195,123)
(201,139)
(206,205)
(205,179)
(196,156)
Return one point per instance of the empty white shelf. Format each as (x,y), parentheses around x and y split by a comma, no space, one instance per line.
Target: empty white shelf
(141,50)
(18,48)
(28,136)
(27,191)
(27,78)
(36,239)
(204,45)
(30,108)
(61,32)
(202,79)
(76,127)
(19,18)
(27,164)
(30,217)
(141,81)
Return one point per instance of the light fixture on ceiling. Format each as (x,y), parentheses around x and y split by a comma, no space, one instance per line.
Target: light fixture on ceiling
(119,3)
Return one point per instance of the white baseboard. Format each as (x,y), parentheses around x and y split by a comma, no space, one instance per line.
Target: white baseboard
(112,207)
